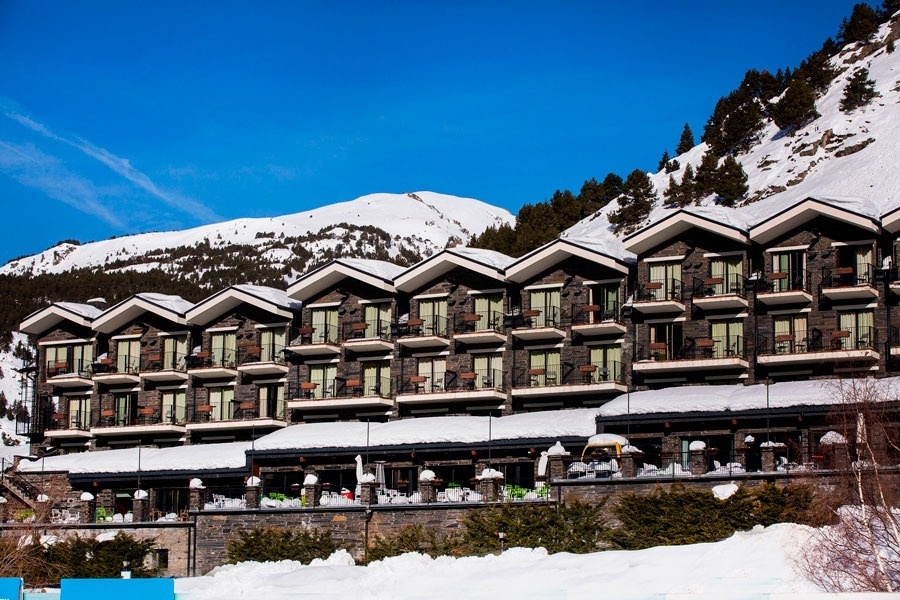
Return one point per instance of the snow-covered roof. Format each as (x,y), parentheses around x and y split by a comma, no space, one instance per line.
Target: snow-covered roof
(46,318)
(715,219)
(197,457)
(718,398)
(769,224)
(270,299)
(484,262)
(376,273)
(166,306)
(541,259)
(433,430)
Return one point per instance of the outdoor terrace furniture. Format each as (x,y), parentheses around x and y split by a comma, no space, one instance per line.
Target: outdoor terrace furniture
(308,388)
(418,382)
(108,417)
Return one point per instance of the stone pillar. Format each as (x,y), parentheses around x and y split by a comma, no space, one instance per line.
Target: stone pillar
(556,466)
(768,458)
(312,494)
(140,508)
(367,493)
(698,462)
(88,508)
(628,464)
(426,491)
(4,510)
(251,496)
(840,461)
(489,489)
(196,498)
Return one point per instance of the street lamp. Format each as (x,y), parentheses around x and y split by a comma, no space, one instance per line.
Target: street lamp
(501,535)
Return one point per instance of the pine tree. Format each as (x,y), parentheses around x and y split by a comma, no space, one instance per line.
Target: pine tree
(673,165)
(816,68)
(707,175)
(635,204)
(889,7)
(687,140)
(860,91)
(731,182)
(862,24)
(663,161)
(796,107)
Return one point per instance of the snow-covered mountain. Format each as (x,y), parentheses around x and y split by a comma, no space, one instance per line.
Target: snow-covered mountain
(840,154)
(392,225)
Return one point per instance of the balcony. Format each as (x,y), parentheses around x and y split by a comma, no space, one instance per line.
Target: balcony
(816,345)
(594,320)
(691,354)
(262,360)
(586,380)
(481,386)
(341,393)
(536,325)
(782,288)
(61,427)
(164,366)
(368,336)
(431,332)
(322,340)
(123,370)
(855,282)
(482,327)
(69,375)
(212,365)
(233,416)
(660,296)
(720,293)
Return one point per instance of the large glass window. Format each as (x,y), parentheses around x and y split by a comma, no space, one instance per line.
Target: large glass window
(378,319)
(76,358)
(271,401)
(665,281)
(546,305)
(223,345)
(174,407)
(126,408)
(860,325)
(80,412)
(323,376)
(728,337)
(606,296)
(271,343)
(488,370)
(222,402)
(376,378)
(666,341)
(325,324)
(490,308)
(787,270)
(434,369)
(730,270)
(608,360)
(790,333)
(543,367)
(128,356)
(434,316)
(174,352)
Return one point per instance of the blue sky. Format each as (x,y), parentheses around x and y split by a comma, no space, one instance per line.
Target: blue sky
(119,117)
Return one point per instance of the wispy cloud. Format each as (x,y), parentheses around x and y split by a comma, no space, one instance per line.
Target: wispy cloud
(32,168)
(118,165)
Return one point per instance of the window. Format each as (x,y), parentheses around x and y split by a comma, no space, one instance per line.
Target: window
(434,369)
(787,271)
(174,352)
(488,370)
(325,323)
(76,358)
(378,319)
(730,269)
(608,360)
(128,356)
(790,333)
(606,296)
(271,343)
(376,378)
(543,367)
(434,316)
(490,308)
(728,337)
(222,402)
(861,327)
(665,341)
(667,276)
(271,400)
(80,412)
(174,408)
(858,260)
(323,376)
(126,408)
(223,345)
(547,303)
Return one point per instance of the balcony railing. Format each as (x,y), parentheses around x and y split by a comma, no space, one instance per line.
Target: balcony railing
(583,374)
(66,421)
(709,287)
(485,320)
(369,328)
(165,361)
(849,276)
(206,359)
(320,334)
(586,314)
(820,340)
(693,349)
(658,290)
(80,368)
(452,381)
(273,353)
(796,280)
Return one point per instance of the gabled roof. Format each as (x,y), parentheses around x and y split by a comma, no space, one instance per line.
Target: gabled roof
(266,298)
(546,256)
(680,221)
(890,220)
(485,262)
(45,319)
(376,273)
(807,209)
(166,306)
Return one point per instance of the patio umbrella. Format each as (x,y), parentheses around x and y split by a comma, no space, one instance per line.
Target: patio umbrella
(359,468)
(379,475)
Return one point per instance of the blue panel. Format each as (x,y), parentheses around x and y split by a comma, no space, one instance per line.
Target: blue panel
(132,589)
(11,588)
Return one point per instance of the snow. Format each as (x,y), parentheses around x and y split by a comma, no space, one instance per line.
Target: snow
(758,563)
(697,445)
(267,294)
(498,260)
(172,303)
(85,310)
(832,437)
(724,491)
(379,268)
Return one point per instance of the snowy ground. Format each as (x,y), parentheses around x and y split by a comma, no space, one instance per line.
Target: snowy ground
(754,564)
